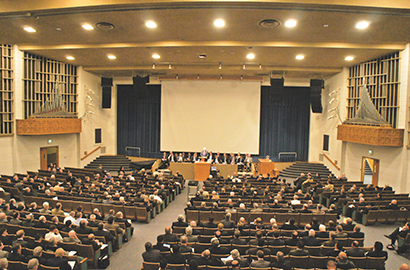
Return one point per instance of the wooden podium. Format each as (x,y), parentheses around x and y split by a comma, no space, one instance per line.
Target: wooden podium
(202,170)
(266,166)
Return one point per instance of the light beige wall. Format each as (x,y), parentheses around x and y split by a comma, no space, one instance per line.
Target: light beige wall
(394,161)
(321,125)
(106,119)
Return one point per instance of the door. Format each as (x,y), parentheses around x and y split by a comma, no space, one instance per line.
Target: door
(48,155)
(370,171)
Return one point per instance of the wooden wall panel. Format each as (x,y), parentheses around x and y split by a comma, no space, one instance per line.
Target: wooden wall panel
(379,136)
(48,126)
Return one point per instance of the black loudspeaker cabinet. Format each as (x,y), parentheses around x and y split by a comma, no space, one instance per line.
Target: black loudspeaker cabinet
(106,97)
(277,90)
(140,86)
(106,81)
(316,87)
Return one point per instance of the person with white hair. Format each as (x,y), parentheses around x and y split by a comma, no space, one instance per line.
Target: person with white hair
(204,153)
(46,208)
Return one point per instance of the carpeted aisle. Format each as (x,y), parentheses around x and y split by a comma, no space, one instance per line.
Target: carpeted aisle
(129,257)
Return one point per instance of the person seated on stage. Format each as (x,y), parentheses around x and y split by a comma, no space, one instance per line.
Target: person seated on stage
(218,159)
(210,158)
(195,158)
(188,158)
(180,158)
(232,159)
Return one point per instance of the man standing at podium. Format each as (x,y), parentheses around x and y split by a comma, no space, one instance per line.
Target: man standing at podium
(204,153)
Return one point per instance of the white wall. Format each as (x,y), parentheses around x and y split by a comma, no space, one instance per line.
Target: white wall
(321,125)
(106,119)
(394,161)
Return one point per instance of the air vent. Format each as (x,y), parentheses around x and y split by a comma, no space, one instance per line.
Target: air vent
(105,26)
(269,23)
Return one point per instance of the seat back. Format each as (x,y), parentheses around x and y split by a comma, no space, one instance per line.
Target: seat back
(150,266)
(360,262)
(299,261)
(192,215)
(373,262)
(318,261)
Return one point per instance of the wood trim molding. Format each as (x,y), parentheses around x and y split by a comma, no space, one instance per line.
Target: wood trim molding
(371,135)
(331,161)
(48,126)
(86,156)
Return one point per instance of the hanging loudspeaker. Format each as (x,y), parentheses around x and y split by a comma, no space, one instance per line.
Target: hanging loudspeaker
(316,87)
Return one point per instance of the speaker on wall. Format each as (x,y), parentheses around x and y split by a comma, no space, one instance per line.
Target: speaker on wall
(106,97)
(277,90)
(316,87)
(140,86)
(106,84)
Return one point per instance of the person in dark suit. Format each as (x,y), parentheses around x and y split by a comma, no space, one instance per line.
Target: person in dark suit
(15,254)
(150,254)
(290,225)
(20,240)
(180,222)
(236,238)
(227,222)
(92,221)
(160,244)
(400,231)
(393,205)
(281,262)
(343,262)
(104,232)
(236,256)
(260,246)
(294,240)
(29,222)
(90,240)
(276,241)
(322,233)
(377,251)
(169,236)
(83,229)
(336,251)
(184,248)
(59,261)
(348,226)
(311,240)
(205,258)
(355,251)
(216,248)
(210,223)
(36,243)
(260,263)
(175,257)
(300,250)
(37,253)
(356,232)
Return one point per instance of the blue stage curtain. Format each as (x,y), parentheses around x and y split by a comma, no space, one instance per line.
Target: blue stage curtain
(285,120)
(138,119)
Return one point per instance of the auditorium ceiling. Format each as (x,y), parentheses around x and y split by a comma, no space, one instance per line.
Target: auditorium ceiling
(190,45)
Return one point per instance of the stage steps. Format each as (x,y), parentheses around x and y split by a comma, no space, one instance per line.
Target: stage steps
(110,163)
(294,170)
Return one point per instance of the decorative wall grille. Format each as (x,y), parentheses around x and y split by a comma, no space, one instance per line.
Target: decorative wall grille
(6,90)
(41,77)
(381,77)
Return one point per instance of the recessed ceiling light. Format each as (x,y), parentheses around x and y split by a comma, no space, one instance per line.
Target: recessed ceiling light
(70,57)
(290,23)
(300,57)
(362,25)
(219,23)
(325,25)
(156,56)
(349,58)
(112,57)
(150,24)
(87,26)
(30,29)
(58,29)
(250,56)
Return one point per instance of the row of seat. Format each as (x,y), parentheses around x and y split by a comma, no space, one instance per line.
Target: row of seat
(297,262)
(385,216)
(301,219)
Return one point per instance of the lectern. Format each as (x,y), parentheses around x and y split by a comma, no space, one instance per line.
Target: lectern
(202,170)
(266,166)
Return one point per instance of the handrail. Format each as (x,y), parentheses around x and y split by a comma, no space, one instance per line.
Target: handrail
(331,161)
(135,148)
(288,153)
(86,156)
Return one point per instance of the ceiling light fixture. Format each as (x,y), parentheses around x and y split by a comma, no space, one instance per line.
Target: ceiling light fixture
(243,67)
(153,66)
(30,29)
(176,77)
(87,26)
(197,77)
(70,57)
(300,57)
(260,66)
(156,56)
(290,23)
(325,25)
(220,66)
(362,25)
(150,24)
(219,23)
(349,58)
(169,66)
(241,77)
(250,56)
(220,77)
(111,56)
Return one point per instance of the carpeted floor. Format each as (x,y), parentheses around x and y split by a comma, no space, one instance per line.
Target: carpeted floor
(129,257)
